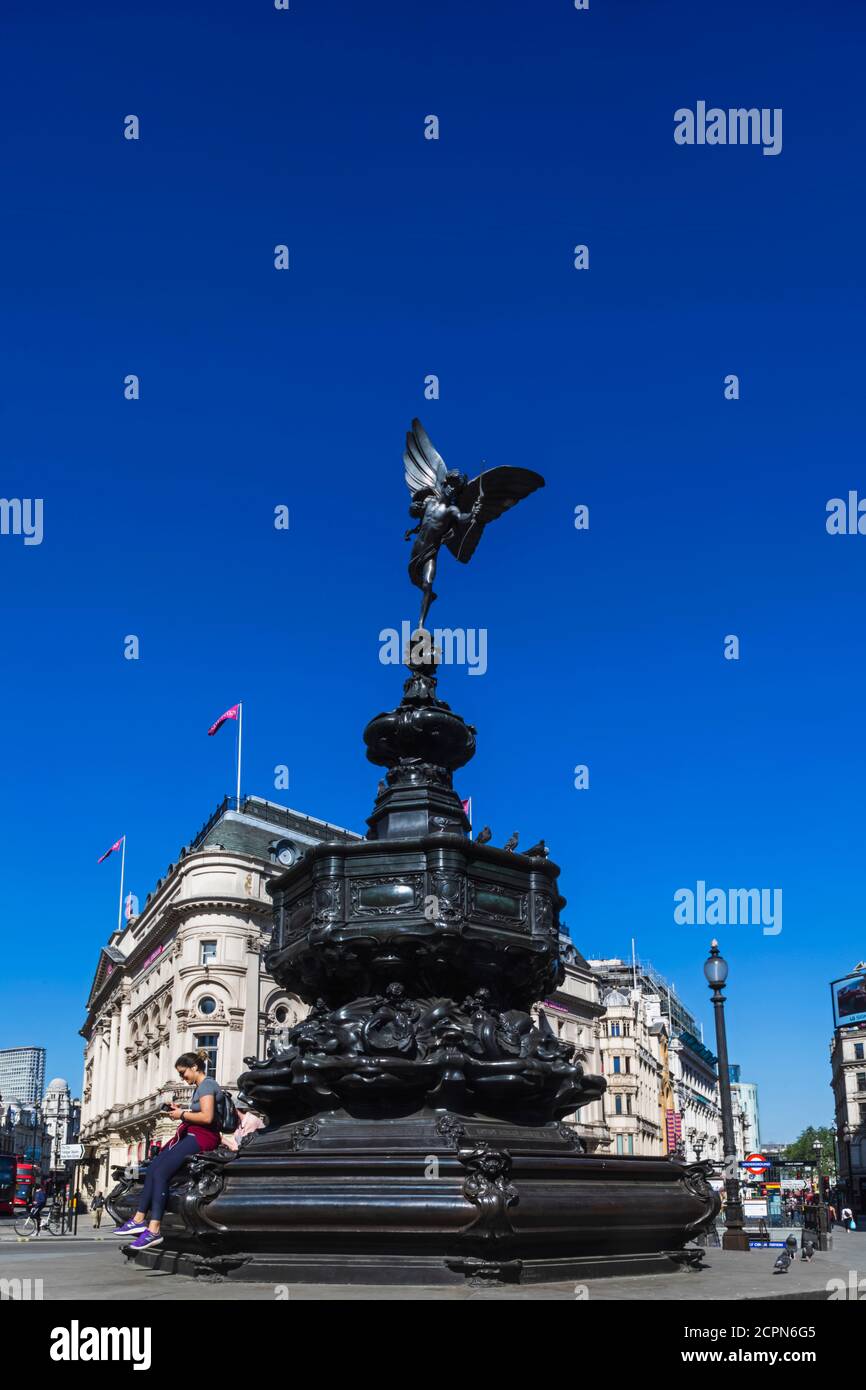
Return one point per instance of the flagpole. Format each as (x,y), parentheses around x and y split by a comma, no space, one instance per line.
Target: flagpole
(240,741)
(122,866)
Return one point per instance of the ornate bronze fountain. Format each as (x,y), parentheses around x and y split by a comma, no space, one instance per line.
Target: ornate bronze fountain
(416,1114)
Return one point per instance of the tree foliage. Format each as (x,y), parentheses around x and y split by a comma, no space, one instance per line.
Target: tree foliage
(802,1147)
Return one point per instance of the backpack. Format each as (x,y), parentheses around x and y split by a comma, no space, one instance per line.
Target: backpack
(226,1117)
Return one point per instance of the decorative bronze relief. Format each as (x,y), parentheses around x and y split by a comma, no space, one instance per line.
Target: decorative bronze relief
(498,903)
(385,897)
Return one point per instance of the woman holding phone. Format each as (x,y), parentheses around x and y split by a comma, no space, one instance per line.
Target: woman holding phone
(197,1132)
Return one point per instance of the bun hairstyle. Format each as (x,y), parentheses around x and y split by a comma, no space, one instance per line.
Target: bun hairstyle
(193,1059)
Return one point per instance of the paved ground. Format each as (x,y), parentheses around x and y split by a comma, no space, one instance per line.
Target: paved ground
(92,1268)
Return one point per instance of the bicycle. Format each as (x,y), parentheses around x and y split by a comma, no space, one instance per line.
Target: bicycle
(27,1227)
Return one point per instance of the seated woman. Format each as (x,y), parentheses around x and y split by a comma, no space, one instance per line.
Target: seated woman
(198,1132)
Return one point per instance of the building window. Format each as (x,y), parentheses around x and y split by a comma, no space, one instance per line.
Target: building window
(208,952)
(861,1081)
(619,1143)
(281,1013)
(631,1143)
(207,1004)
(616,1062)
(862,1114)
(614,1030)
(617,1105)
(209,1042)
(628,1105)
(628,1064)
(858,1052)
(625,1031)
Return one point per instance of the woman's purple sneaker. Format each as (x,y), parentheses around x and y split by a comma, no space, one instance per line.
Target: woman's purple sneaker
(129,1228)
(145,1240)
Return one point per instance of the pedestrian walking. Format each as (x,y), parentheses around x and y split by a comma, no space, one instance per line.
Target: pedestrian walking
(209,1111)
(96,1208)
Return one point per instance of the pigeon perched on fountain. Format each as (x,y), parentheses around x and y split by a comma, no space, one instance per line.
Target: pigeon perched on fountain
(511,843)
(539,851)
(484,835)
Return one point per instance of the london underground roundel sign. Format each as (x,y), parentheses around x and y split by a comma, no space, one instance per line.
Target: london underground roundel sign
(757,1164)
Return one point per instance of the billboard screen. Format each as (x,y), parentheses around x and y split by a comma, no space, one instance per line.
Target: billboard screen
(849,1000)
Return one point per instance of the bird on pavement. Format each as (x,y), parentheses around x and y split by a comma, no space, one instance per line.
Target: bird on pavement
(808,1250)
(539,851)
(484,835)
(782,1263)
(511,843)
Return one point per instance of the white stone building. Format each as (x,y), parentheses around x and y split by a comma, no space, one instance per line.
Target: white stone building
(848,1062)
(634,1064)
(574,1012)
(697,1100)
(23,1132)
(185,974)
(744,1098)
(60,1113)
(662,1094)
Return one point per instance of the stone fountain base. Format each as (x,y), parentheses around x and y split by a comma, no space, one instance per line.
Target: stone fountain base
(428,1200)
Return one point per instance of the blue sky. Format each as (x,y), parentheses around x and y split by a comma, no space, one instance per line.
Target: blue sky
(259,387)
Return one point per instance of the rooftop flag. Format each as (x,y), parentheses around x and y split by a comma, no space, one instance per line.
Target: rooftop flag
(117,844)
(121,845)
(233,713)
(236,712)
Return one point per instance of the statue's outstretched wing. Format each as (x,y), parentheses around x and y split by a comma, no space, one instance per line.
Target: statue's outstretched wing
(425,469)
(498,489)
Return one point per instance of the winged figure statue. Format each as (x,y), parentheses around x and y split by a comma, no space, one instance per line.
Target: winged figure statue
(451,508)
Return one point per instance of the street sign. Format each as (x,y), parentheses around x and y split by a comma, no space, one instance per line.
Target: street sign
(757,1164)
(71,1153)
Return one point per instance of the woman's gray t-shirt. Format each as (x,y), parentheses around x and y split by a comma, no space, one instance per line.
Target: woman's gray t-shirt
(208,1087)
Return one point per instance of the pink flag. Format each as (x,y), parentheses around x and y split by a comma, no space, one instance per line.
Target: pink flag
(115,846)
(229,714)
(467,809)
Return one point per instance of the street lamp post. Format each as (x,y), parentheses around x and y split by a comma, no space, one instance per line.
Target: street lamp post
(845,1139)
(821,1215)
(735,1238)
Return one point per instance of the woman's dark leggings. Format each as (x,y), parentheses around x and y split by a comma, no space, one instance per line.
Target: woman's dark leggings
(154,1192)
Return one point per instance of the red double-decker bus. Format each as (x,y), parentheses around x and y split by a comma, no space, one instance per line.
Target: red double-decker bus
(7,1183)
(27,1178)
